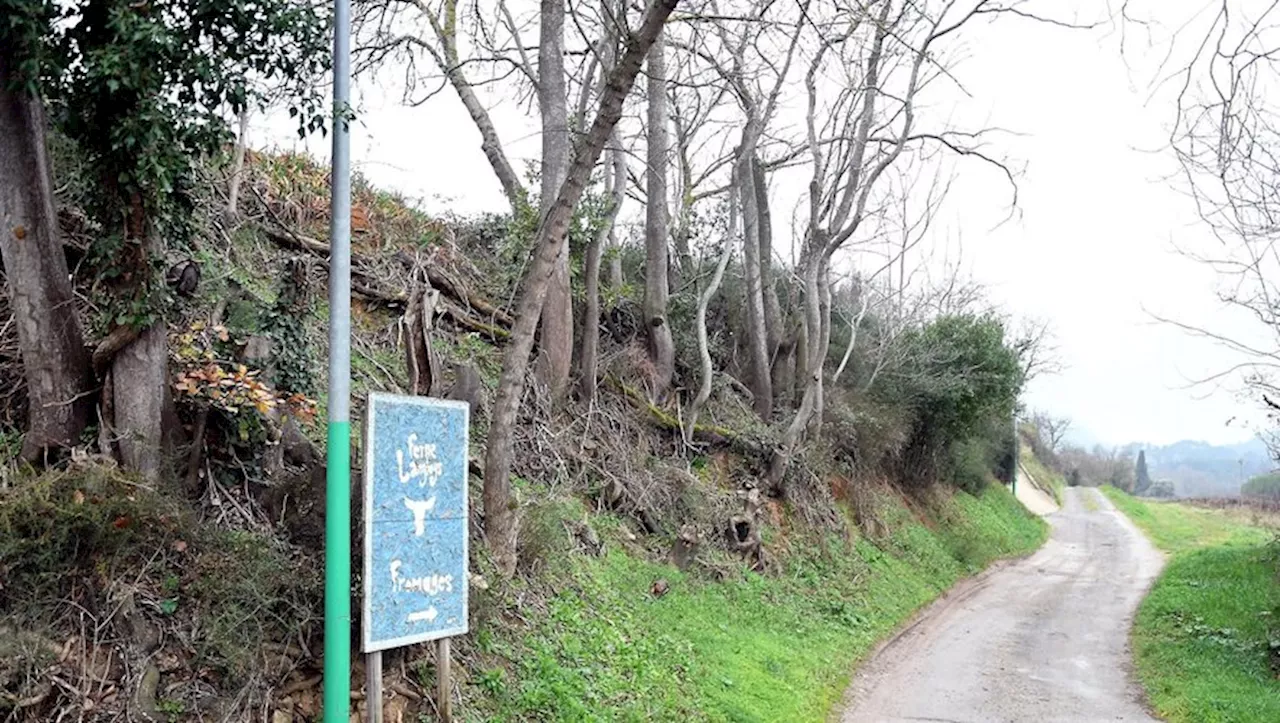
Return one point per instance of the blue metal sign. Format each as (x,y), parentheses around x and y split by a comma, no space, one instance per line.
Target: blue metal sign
(415,520)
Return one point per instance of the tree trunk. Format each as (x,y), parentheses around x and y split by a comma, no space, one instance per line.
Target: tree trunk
(141,401)
(781,350)
(490,144)
(700,322)
(499,507)
(799,362)
(784,368)
(557,313)
(54,359)
(237,166)
(656,233)
(772,308)
(813,352)
(615,252)
(757,334)
(615,185)
(819,361)
(139,375)
(684,172)
(616,278)
(854,322)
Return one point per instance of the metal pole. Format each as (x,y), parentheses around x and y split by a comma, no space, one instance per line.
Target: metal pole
(337,531)
(1017,456)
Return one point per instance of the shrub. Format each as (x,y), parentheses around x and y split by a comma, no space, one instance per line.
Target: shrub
(543,537)
(83,532)
(970,464)
(1265,486)
(61,525)
(961,380)
(865,431)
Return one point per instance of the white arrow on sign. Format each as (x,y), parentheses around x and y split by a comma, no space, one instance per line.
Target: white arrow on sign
(429,615)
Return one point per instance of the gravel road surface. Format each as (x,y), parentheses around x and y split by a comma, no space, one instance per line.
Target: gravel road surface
(1040,640)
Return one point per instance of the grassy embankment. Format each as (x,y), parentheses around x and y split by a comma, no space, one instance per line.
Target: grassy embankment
(751,648)
(1051,481)
(1205,636)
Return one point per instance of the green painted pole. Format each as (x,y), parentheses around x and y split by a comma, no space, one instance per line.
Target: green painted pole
(337,527)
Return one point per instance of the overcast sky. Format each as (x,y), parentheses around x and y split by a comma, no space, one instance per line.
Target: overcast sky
(1093,247)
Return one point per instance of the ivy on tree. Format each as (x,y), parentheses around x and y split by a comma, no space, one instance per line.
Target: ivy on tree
(143,89)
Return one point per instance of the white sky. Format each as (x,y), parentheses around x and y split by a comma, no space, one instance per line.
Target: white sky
(1092,248)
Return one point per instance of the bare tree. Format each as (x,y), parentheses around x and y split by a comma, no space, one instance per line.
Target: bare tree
(237,165)
(656,233)
(385,29)
(856,318)
(700,320)
(500,515)
(55,362)
(615,186)
(616,189)
(886,55)
(906,232)
(1051,430)
(702,148)
(1033,343)
(497,42)
(556,344)
(744,76)
(1226,136)
(781,352)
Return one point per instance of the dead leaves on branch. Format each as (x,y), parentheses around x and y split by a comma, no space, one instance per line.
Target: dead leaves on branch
(230,387)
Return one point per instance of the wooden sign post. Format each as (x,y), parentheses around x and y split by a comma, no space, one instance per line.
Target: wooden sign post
(444,686)
(415,532)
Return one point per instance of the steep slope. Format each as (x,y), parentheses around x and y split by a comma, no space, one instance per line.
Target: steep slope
(1032,496)
(659,576)
(722,643)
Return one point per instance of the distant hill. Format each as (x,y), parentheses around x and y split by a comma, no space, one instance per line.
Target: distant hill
(1200,469)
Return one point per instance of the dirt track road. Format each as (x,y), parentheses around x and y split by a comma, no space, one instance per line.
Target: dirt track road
(1041,640)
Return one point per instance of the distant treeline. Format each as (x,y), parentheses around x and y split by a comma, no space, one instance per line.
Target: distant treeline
(1264,486)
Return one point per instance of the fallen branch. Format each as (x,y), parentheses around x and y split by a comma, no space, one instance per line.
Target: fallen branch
(711,433)
(494,332)
(465,320)
(439,279)
(459,291)
(375,294)
(111,344)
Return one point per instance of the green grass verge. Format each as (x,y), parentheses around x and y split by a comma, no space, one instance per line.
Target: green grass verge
(1177,528)
(1202,638)
(754,648)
